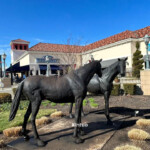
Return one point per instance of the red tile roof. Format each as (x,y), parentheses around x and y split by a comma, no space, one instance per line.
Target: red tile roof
(56,48)
(141,32)
(20,40)
(72,48)
(118,37)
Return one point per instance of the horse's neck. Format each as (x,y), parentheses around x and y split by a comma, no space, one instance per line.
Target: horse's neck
(86,73)
(111,74)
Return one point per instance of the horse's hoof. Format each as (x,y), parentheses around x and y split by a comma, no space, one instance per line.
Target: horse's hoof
(78,140)
(26,137)
(71,116)
(41,143)
(82,133)
(109,123)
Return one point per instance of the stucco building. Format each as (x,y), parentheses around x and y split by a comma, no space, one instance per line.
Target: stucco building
(109,49)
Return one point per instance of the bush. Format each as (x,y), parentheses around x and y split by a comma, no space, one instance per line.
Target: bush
(53,104)
(91,100)
(7,106)
(85,102)
(5,97)
(23,97)
(137,61)
(93,104)
(115,90)
(62,104)
(129,88)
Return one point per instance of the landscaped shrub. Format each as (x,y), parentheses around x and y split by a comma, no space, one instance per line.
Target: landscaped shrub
(23,97)
(85,102)
(62,104)
(5,97)
(92,102)
(129,88)
(53,104)
(115,90)
(45,103)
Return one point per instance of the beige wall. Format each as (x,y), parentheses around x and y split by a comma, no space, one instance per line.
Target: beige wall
(25,60)
(112,52)
(143,47)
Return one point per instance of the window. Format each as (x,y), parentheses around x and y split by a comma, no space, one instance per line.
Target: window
(20,46)
(15,46)
(25,47)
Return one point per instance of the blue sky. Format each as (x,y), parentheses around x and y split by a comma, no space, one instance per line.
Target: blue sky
(55,21)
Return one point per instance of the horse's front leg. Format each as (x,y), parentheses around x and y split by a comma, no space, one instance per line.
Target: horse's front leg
(106,97)
(78,106)
(70,111)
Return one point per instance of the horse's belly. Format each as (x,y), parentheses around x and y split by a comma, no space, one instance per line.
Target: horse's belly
(58,96)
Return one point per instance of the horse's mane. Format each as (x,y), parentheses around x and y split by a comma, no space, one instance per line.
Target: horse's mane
(108,69)
(86,66)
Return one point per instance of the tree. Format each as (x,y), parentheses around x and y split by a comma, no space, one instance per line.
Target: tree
(137,61)
(72,58)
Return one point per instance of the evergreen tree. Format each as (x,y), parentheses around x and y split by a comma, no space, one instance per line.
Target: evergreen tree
(137,61)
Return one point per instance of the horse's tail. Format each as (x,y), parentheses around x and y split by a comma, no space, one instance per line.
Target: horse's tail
(16,101)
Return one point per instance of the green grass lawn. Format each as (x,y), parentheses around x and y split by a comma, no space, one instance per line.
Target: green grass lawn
(5,110)
(4,116)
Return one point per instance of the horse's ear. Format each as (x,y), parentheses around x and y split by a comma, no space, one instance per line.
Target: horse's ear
(118,59)
(126,58)
(100,60)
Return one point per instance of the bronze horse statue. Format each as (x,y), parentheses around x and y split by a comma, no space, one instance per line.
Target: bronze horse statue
(104,84)
(69,88)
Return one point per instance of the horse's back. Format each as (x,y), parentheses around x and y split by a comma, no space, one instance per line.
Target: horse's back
(53,88)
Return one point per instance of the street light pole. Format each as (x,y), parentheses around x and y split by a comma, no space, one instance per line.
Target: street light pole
(4,57)
(147,39)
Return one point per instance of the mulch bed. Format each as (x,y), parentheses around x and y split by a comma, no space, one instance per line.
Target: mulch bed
(123,105)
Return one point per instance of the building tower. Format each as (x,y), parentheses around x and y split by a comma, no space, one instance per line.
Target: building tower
(18,47)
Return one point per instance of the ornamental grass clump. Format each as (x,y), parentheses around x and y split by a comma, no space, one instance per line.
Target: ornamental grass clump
(57,114)
(12,132)
(2,144)
(42,120)
(143,123)
(138,134)
(127,147)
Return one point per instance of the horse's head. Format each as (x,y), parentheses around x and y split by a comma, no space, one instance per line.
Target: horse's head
(122,66)
(99,68)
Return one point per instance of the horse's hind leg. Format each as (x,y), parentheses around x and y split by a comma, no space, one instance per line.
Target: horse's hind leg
(35,105)
(70,111)
(106,97)
(26,117)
